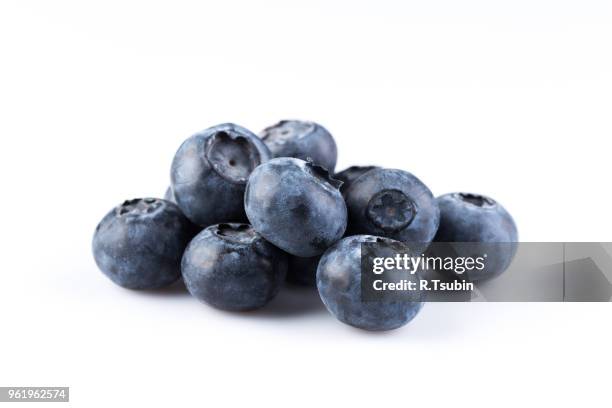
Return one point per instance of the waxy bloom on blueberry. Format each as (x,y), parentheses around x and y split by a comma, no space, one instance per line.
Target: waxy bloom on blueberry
(302,140)
(394,204)
(466,217)
(296,206)
(210,171)
(349,175)
(231,267)
(339,284)
(139,244)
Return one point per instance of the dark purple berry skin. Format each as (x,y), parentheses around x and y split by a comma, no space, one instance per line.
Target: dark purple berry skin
(303,271)
(339,284)
(393,204)
(139,244)
(302,140)
(296,206)
(231,267)
(466,217)
(350,174)
(210,170)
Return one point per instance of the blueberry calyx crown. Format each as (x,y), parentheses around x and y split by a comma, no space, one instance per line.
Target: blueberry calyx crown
(232,156)
(286,130)
(475,199)
(138,206)
(391,210)
(321,173)
(236,232)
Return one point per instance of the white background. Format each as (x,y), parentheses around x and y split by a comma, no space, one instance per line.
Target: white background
(510,99)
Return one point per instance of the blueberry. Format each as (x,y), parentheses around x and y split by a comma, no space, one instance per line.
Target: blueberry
(231,267)
(210,171)
(302,140)
(303,271)
(339,284)
(169,195)
(393,204)
(296,206)
(468,217)
(349,175)
(139,244)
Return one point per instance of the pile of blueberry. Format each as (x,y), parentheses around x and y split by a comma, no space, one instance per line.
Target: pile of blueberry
(245,213)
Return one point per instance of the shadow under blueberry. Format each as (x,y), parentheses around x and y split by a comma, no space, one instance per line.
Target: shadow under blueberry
(177,289)
(291,301)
